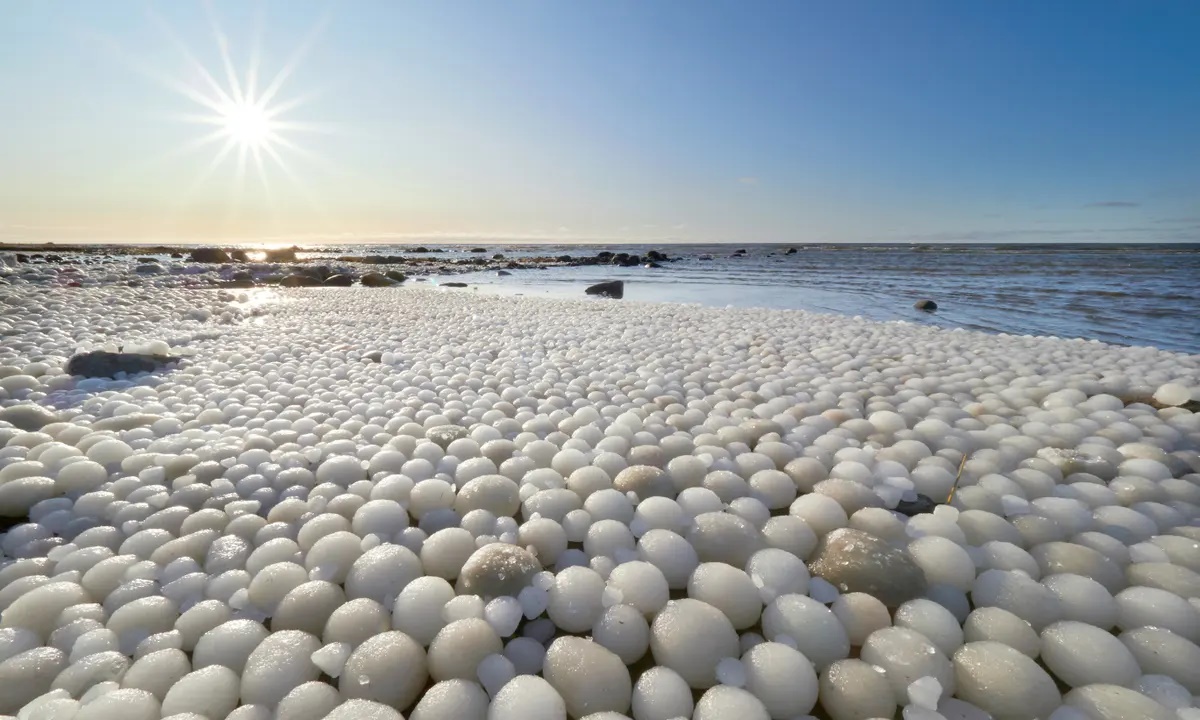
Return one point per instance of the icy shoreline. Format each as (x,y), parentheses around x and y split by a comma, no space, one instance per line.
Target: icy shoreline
(281,521)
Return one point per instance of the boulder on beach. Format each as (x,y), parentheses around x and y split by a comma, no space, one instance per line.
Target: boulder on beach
(926,305)
(454,284)
(790,251)
(281,255)
(503,272)
(395,275)
(478,250)
(374,279)
(611,288)
(855,561)
(339,280)
(239,256)
(107,364)
(299,281)
(209,255)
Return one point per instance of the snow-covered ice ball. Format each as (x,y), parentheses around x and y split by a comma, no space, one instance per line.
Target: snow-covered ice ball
(587,676)
(933,621)
(1081,654)
(576,599)
(661,694)
(1162,652)
(496,570)
(307,607)
(389,668)
(1145,606)
(724,537)
(730,590)
(906,655)
(673,555)
(1083,599)
(676,644)
(458,648)
(1019,594)
(862,615)
(308,701)
(1113,701)
(279,663)
(781,678)
(528,697)
(418,609)
(641,585)
(813,627)
(444,553)
(1003,681)
(452,700)
(623,630)
(724,701)
(210,691)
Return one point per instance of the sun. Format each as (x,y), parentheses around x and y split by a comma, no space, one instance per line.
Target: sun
(246,123)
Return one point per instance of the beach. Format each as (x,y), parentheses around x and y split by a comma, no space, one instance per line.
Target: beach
(446,502)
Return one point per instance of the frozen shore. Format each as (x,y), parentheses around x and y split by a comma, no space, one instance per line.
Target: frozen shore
(362,502)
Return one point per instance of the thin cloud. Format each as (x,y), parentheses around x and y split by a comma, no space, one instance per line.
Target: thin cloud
(748,180)
(1114,204)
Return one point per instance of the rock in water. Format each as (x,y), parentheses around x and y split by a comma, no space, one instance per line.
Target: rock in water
(926,305)
(855,561)
(28,416)
(498,569)
(339,280)
(396,275)
(210,255)
(612,289)
(299,281)
(455,284)
(375,279)
(108,364)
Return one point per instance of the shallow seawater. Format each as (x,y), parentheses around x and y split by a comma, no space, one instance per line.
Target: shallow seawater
(1126,295)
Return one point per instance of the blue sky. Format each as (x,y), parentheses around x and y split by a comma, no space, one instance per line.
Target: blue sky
(778,121)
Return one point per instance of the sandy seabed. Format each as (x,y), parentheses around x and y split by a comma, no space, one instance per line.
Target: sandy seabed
(357,503)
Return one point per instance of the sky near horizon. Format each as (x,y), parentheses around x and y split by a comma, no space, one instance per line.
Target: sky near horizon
(624,120)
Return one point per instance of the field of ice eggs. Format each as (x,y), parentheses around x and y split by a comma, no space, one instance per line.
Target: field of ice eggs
(410,503)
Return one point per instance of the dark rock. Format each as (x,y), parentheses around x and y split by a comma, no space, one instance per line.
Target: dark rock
(108,364)
(209,255)
(243,275)
(339,280)
(22,258)
(926,305)
(563,258)
(281,255)
(478,249)
(420,249)
(395,275)
(503,272)
(923,504)
(790,251)
(146,260)
(657,256)
(375,279)
(855,561)
(176,255)
(652,265)
(612,289)
(374,356)
(454,284)
(739,252)
(239,256)
(498,256)
(299,281)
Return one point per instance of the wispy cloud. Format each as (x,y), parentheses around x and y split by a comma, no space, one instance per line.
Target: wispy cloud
(1114,204)
(748,180)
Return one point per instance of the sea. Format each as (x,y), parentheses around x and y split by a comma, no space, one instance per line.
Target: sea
(1141,295)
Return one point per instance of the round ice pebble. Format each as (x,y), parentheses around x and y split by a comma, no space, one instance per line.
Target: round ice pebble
(813,628)
(27,675)
(123,704)
(210,691)
(576,599)
(728,589)
(661,694)
(362,710)
(498,569)
(527,697)
(80,676)
(1083,599)
(999,625)
(781,678)
(1081,654)
(854,561)
(446,551)
(1061,557)
(778,571)
(1162,652)
(943,561)
(1019,594)
(229,644)
(862,615)
(724,537)
(382,573)
(312,700)
(644,481)
(822,513)
(280,662)
(418,610)
(724,701)
(494,493)
(1113,701)
(934,621)
(389,668)
(458,648)
(1145,606)
(308,607)
(853,689)
(1172,394)
(641,585)
(1004,682)
(37,609)
(452,700)
(624,631)
(671,554)
(356,621)
(690,637)
(907,655)
(587,676)
(157,672)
